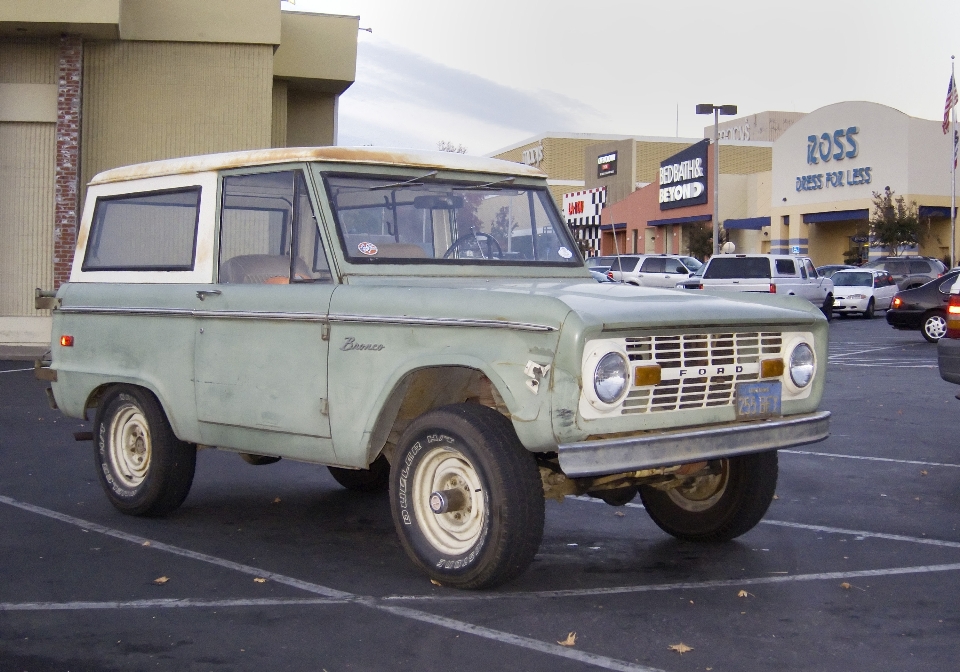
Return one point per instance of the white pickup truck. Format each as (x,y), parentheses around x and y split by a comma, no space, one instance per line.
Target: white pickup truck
(771,273)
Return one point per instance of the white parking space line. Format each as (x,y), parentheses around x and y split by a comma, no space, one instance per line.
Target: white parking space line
(886,347)
(344,597)
(870,459)
(660,587)
(187,602)
(16,370)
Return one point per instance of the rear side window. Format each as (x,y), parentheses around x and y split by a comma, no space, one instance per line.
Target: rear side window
(737,267)
(895,267)
(149,231)
(919,266)
(652,266)
(786,267)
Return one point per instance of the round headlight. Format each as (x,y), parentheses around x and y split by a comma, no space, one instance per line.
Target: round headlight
(801,365)
(610,377)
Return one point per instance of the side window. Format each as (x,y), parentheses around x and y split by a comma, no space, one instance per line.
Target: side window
(615,265)
(150,231)
(786,267)
(268,231)
(947,285)
(811,269)
(674,266)
(896,267)
(652,266)
(919,266)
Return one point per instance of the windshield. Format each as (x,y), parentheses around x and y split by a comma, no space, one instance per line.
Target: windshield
(692,263)
(846,279)
(425,220)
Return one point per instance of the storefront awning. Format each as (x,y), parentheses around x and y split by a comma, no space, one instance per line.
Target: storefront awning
(934,212)
(613,227)
(754,223)
(836,216)
(680,220)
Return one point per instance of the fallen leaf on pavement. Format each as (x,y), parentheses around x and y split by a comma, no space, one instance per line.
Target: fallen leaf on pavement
(146,543)
(744,593)
(570,640)
(619,513)
(276,501)
(846,586)
(775,497)
(923,472)
(162,580)
(680,648)
(435,582)
(259,580)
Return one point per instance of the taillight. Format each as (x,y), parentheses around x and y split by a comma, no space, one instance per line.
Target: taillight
(66,341)
(610,275)
(953,317)
(773,288)
(897,302)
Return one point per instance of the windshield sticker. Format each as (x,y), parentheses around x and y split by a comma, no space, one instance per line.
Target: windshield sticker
(565,253)
(368,249)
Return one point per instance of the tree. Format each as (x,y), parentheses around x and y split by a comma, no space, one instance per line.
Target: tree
(447,146)
(699,239)
(895,225)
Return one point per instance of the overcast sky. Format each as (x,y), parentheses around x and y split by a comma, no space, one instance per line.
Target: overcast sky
(492,73)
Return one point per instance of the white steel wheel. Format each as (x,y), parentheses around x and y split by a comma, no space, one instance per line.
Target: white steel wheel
(717,507)
(702,493)
(466,497)
(443,470)
(144,469)
(129,445)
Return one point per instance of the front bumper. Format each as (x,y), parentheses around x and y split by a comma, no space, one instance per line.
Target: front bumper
(613,456)
(847,305)
(948,359)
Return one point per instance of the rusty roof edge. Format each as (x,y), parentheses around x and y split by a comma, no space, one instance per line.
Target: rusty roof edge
(362,155)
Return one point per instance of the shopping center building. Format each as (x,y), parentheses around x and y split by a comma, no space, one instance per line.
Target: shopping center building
(789,183)
(88,86)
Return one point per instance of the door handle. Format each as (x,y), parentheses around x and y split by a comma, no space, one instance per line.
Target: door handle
(204,293)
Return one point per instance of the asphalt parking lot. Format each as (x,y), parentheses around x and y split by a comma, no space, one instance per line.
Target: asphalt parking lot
(855,567)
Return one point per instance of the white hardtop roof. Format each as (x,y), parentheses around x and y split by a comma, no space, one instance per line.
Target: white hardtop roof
(360,155)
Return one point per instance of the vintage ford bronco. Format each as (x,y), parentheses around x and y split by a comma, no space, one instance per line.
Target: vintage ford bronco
(420,323)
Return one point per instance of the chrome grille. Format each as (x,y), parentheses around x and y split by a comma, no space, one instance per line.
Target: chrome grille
(697,370)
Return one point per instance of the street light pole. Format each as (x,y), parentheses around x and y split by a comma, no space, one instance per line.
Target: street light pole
(707,108)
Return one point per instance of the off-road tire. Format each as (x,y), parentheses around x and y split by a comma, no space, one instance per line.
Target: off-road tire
(474,450)
(372,480)
(749,483)
(143,467)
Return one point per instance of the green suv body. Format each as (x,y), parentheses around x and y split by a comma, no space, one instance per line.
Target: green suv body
(420,323)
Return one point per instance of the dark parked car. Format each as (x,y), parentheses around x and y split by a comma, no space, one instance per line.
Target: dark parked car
(911,271)
(923,308)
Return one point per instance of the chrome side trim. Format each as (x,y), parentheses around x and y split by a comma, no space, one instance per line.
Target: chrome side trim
(441,322)
(612,456)
(309,317)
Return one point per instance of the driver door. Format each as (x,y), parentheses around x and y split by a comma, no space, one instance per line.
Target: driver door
(261,357)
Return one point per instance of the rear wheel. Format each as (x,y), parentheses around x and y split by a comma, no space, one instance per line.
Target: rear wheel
(143,467)
(466,497)
(934,327)
(719,506)
(868,312)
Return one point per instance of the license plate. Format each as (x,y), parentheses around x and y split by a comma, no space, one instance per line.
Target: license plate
(758,400)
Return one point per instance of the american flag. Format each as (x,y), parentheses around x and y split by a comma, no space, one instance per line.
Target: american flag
(947,106)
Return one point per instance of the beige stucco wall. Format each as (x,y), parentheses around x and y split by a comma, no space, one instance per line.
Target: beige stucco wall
(154,100)
(236,21)
(311,118)
(317,51)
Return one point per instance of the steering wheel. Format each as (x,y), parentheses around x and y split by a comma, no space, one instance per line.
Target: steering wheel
(476,239)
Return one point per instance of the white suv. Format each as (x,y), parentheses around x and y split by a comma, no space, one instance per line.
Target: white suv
(651,270)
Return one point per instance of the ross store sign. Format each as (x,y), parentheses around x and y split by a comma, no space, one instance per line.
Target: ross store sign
(741,132)
(533,156)
(607,165)
(683,177)
(836,146)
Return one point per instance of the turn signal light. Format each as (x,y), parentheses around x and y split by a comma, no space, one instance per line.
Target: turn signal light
(644,376)
(953,317)
(66,341)
(897,302)
(771,368)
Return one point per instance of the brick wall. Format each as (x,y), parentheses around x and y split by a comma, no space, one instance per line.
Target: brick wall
(69,78)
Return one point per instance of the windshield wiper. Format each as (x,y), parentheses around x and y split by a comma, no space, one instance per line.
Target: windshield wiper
(488,186)
(412,182)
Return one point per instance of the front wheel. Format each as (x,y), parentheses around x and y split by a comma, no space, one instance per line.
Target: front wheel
(868,312)
(934,327)
(466,497)
(827,307)
(143,467)
(718,506)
